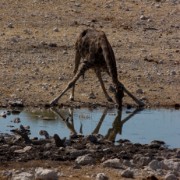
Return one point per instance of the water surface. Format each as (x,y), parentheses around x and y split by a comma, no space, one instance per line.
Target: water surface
(137,126)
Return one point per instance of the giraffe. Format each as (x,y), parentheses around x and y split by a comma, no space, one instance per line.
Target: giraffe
(97,54)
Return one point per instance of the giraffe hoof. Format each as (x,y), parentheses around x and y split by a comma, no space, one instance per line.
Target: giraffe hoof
(54,103)
(71,98)
(110,99)
(141,104)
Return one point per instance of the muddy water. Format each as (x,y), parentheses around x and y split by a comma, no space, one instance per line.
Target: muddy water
(137,126)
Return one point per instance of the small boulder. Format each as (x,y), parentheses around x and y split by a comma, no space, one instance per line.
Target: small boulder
(45,174)
(23,176)
(114,163)
(170,176)
(85,160)
(128,173)
(155,164)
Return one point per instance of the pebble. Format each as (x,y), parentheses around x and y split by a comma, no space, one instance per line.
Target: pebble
(92,96)
(173,73)
(56,29)
(139,91)
(3,114)
(101,176)
(17,120)
(142,17)
(10,25)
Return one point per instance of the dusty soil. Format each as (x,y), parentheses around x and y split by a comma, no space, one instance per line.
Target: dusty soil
(144,36)
(37,49)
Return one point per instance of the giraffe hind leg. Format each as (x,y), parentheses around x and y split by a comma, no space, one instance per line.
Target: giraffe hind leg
(98,74)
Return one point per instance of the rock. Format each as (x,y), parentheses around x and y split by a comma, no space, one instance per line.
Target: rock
(101,176)
(3,114)
(173,73)
(44,133)
(127,163)
(139,91)
(17,103)
(142,17)
(56,29)
(17,120)
(23,176)
(74,153)
(158,142)
(45,174)
(170,176)
(92,138)
(52,45)
(127,173)
(155,164)
(10,25)
(65,52)
(92,96)
(151,177)
(171,165)
(58,141)
(178,153)
(141,161)
(24,150)
(85,160)
(114,163)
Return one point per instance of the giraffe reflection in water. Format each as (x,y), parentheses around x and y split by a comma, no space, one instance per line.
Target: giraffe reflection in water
(112,132)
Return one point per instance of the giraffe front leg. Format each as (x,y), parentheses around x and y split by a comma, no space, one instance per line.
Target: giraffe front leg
(55,101)
(76,66)
(82,70)
(140,103)
(72,93)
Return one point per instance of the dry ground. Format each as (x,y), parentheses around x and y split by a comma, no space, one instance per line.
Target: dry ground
(144,35)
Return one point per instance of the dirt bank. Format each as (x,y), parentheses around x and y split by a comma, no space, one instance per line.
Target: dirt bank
(37,49)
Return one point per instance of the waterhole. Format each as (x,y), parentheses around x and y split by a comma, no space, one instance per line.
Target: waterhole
(138,126)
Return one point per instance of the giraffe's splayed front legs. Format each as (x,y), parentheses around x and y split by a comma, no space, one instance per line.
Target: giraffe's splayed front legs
(85,66)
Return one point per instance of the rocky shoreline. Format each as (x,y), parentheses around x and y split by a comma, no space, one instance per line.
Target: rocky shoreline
(150,161)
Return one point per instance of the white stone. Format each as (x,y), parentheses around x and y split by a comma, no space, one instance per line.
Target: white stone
(45,174)
(56,29)
(84,160)
(127,173)
(114,163)
(22,176)
(101,176)
(155,164)
(172,165)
